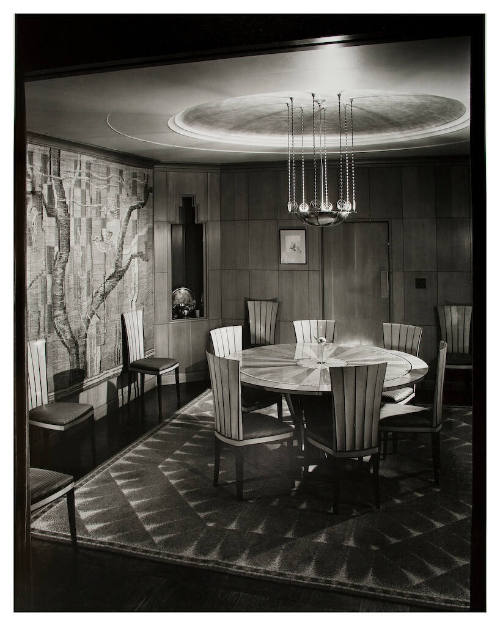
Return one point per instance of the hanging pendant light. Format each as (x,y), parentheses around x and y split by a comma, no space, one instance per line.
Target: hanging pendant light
(320,211)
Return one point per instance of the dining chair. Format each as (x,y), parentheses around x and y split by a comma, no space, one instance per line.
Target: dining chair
(405,338)
(59,416)
(262,316)
(344,424)
(47,486)
(137,362)
(230,428)
(229,339)
(308,331)
(409,418)
(455,322)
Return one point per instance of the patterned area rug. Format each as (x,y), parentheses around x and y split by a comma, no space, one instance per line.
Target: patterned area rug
(156,500)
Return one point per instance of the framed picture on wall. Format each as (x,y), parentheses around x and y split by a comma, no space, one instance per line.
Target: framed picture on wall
(293,246)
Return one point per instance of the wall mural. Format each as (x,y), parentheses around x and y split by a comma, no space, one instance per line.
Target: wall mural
(89,259)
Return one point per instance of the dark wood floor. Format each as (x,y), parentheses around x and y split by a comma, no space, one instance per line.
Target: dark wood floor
(92,580)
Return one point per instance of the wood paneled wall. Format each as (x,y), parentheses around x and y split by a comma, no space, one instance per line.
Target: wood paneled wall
(426,203)
(186,340)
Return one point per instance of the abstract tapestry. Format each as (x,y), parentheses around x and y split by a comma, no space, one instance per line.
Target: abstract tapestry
(89,259)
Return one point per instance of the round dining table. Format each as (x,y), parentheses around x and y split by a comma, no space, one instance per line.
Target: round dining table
(303,368)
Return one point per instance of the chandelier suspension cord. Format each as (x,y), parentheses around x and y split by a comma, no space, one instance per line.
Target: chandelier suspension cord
(324,160)
(352,163)
(289,161)
(341,174)
(303,161)
(321,155)
(314,152)
(346,156)
(293,154)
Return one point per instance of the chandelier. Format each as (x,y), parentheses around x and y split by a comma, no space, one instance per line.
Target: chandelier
(319,211)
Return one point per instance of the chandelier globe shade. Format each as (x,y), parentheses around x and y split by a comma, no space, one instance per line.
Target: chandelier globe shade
(319,210)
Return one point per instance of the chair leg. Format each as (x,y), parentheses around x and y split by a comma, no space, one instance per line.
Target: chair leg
(129,387)
(177,388)
(92,439)
(289,403)
(436,455)
(239,472)
(143,376)
(70,501)
(217,447)
(158,391)
(279,404)
(375,478)
(291,458)
(337,469)
(307,460)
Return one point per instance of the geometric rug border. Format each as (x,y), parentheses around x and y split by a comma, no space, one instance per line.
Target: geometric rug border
(239,570)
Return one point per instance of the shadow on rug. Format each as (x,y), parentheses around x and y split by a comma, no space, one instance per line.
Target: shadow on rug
(155,499)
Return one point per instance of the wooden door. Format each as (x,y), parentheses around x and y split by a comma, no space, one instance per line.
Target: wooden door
(356,280)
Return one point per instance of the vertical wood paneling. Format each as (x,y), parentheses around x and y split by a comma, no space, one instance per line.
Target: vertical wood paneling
(187,183)
(161,340)
(235,287)
(213,196)
(234,195)
(263,284)
(420,304)
(454,250)
(263,244)
(452,191)
(213,245)
(163,298)
(418,191)
(234,245)
(266,192)
(385,192)
(420,244)
(454,287)
(214,294)
(293,295)
(397,245)
(161,246)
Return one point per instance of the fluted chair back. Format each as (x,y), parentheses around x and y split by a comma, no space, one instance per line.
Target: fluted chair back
(226,390)
(37,374)
(455,322)
(135,334)
(227,340)
(356,399)
(437,412)
(402,337)
(308,331)
(262,316)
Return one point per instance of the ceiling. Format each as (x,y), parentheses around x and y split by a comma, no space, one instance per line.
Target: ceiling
(409,98)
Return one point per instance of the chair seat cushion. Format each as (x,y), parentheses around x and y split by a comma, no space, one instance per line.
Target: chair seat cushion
(459,358)
(256,425)
(405,417)
(60,413)
(397,395)
(44,483)
(253,399)
(153,365)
